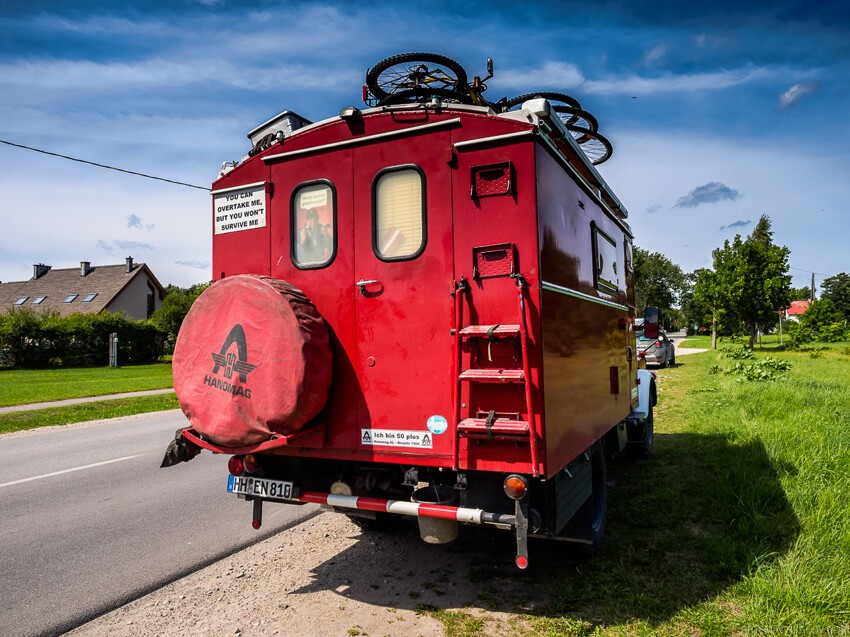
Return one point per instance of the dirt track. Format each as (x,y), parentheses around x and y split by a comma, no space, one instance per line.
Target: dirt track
(327,577)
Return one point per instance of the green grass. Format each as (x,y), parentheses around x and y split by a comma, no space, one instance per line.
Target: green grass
(23,386)
(18,421)
(738,525)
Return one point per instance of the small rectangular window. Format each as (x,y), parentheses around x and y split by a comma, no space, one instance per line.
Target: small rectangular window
(399,204)
(604,262)
(89,297)
(313,225)
(39,299)
(21,300)
(70,298)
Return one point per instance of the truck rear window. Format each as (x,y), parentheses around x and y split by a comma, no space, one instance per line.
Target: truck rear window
(313,225)
(399,218)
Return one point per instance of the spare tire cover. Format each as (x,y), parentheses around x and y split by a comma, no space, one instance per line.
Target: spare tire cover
(252,360)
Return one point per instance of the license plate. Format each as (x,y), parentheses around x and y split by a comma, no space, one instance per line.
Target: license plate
(261,487)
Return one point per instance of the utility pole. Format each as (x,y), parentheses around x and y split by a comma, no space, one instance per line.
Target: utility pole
(813,287)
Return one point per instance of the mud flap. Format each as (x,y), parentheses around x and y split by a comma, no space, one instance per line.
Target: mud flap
(179,450)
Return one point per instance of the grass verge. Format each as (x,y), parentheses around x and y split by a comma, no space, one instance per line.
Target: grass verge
(24,386)
(739,524)
(18,421)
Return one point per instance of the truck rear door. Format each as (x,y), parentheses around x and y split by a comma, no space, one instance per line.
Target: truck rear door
(403,304)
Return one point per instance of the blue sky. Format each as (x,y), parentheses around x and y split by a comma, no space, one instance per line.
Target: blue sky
(718,112)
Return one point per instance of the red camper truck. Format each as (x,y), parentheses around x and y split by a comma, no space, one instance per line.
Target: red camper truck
(424,308)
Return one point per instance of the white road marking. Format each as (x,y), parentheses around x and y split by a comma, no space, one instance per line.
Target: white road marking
(59,473)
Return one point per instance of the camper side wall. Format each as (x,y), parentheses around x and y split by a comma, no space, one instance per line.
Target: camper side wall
(585,315)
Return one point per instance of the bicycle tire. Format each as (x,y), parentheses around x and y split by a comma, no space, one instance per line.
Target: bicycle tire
(421,94)
(552,96)
(573,117)
(595,146)
(382,80)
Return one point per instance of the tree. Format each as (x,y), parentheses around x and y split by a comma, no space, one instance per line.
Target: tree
(707,301)
(658,281)
(837,289)
(751,283)
(820,322)
(175,306)
(800,294)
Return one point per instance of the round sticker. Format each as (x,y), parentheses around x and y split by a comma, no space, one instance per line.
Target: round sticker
(437,424)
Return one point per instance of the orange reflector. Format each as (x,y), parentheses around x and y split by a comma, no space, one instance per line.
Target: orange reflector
(515,487)
(250,463)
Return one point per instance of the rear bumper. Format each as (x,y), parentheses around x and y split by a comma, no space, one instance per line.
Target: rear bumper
(414,509)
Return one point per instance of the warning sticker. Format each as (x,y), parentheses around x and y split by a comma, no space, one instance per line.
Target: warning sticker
(240,209)
(395,438)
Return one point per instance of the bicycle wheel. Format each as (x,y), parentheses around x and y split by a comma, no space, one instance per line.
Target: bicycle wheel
(553,97)
(414,70)
(423,94)
(595,146)
(576,117)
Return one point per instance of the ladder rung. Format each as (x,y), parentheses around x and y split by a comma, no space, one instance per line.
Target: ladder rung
(500,427)
(493,375)
(473,331)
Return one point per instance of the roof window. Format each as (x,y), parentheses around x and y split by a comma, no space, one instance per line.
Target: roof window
(89,297)
(39,299)
(70,298)
(21,300)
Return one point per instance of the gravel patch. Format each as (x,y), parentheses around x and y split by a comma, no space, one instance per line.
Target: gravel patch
(325,577)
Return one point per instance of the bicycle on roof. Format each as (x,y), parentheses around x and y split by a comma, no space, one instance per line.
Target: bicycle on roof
(421,77)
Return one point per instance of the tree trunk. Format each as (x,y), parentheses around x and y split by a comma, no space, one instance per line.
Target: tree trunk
(713,333)
(753,333)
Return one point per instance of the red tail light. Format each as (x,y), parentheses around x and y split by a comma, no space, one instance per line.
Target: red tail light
(236,466)
(657,343)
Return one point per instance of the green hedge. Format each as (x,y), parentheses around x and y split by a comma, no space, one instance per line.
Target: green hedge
(36,340)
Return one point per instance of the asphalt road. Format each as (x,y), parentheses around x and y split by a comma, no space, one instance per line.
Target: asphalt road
(89,521)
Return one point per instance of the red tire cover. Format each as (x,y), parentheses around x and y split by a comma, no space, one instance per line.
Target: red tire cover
(252,359)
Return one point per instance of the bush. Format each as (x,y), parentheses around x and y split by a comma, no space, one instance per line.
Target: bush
(32,340)
(833,333)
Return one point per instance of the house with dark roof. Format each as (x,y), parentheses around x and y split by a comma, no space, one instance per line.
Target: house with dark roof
(130,288)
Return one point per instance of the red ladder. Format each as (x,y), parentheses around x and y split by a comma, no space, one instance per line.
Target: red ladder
(493,427)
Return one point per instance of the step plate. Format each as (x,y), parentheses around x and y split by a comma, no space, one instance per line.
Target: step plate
(493,375)
(501,427)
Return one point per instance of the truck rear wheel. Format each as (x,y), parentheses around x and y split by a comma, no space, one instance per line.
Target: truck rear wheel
(643,449)
(588,524)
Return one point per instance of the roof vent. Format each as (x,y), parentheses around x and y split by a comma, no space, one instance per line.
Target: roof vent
(39,270)
(85,267)
(285,122)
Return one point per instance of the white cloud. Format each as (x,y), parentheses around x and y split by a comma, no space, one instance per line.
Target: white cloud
(654,54)
(134,221)
(797,91)
(551,75)
(198,264)
(647,168)
(669,82)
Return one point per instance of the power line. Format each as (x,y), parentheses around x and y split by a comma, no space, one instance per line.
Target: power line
(807,271)
(92,163)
